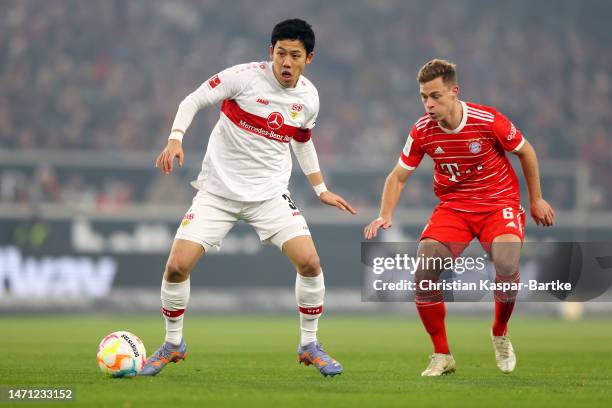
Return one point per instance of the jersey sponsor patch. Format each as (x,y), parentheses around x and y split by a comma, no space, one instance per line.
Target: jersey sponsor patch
(275,120)
(272,127)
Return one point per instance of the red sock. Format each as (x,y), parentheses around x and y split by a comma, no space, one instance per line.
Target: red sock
(432,315)
(503,311)
(504,304)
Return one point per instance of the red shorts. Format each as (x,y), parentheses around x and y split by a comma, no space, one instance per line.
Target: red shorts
(459,227)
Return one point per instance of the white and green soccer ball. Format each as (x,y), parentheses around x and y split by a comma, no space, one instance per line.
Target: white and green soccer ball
(121,354)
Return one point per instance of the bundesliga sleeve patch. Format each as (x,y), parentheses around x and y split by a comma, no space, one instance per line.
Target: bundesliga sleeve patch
(214,81)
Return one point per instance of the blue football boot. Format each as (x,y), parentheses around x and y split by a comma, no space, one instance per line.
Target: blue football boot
(167,353)
(313,353)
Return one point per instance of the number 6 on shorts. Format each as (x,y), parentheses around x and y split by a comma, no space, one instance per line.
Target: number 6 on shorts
(508,214)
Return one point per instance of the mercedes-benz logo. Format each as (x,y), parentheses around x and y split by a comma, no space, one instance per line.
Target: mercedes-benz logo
(275,120)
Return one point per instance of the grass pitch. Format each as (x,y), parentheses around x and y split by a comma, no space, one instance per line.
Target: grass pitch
(251,361)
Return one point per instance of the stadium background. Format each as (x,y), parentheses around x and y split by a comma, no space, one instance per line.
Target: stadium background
(88,91)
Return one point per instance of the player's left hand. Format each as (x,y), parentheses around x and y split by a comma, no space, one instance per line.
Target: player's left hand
(329,198)
(542,213)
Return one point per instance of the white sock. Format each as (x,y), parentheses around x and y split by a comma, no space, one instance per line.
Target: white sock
(174,299)
(308,329)
(309,294)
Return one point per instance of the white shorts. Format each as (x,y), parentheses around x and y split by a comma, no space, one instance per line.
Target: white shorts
(211,217)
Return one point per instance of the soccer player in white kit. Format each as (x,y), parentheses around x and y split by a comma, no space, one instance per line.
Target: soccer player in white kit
(266,106)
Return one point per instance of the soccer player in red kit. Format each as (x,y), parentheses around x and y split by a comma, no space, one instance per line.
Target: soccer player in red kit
(479,197)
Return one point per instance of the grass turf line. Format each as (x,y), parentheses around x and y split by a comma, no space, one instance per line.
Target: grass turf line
(251,361)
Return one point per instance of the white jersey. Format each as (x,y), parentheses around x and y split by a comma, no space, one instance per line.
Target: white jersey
(248,157)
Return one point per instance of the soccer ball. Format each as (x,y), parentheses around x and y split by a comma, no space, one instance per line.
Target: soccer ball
(121,354)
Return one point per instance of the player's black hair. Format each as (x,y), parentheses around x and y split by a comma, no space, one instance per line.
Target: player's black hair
(294,29)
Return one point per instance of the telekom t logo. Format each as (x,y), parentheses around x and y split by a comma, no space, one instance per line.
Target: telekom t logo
(452,169)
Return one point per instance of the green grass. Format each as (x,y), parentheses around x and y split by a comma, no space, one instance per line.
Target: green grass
(251,361)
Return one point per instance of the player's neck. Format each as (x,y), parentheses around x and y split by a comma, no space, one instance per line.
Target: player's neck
(455,116)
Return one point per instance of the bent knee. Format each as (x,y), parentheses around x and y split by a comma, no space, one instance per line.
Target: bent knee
(176,271)
(309,265)
(506,266)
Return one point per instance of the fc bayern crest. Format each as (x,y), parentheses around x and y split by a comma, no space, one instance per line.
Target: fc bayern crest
(475,147)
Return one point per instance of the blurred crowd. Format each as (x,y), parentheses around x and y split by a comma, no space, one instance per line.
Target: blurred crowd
(109,75)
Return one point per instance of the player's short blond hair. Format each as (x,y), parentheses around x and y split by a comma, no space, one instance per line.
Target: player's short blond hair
(438,68)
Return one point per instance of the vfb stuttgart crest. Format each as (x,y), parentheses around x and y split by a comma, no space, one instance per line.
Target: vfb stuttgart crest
(187,219)
(296,108)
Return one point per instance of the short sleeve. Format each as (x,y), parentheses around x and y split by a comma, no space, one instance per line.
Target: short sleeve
(412,154)
(507,134)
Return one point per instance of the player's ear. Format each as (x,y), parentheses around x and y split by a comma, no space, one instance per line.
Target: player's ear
(456,90)
(271,52)
(310,57)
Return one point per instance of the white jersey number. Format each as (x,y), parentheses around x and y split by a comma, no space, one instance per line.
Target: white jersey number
(508,213)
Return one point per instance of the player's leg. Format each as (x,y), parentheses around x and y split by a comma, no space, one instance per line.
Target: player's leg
(505,252)
(204,226)
(175,290)
(309,295)
(278,221)
(309,285)
(446,235)
(175,287)
(431,308)
(504,231)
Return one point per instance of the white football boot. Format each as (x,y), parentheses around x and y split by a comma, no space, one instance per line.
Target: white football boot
(504,353)
(440,364)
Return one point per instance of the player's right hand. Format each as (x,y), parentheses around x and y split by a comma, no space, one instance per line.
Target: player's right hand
(372,228)
(166,157)
(542,213)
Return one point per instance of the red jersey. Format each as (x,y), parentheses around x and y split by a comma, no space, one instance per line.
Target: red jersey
(472,172)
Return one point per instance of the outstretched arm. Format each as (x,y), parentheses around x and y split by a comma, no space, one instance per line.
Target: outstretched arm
(309,162)
(541,212)
(396,180)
